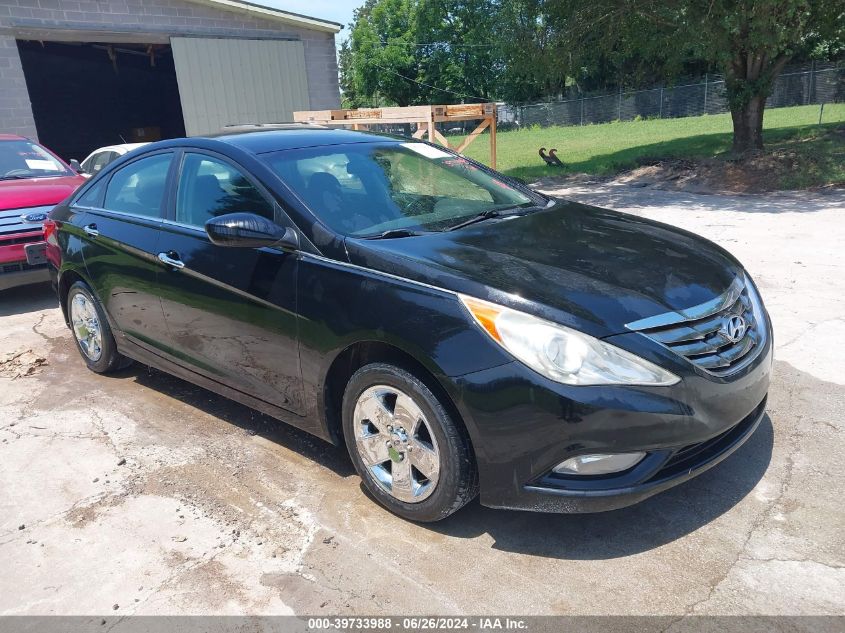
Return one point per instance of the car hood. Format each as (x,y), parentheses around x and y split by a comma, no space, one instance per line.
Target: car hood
(583,266)
(36,192)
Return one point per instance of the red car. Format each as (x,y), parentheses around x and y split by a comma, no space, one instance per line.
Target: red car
(32,181)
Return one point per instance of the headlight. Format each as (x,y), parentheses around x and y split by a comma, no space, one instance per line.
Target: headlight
(562,354)
(756,305)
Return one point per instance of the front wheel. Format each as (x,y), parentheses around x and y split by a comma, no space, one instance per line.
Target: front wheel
(94,338)
(410,453)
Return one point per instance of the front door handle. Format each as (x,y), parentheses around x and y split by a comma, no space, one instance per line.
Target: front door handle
(171,259)
(91,230)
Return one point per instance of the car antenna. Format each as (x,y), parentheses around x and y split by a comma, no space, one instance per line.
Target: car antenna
(122,139)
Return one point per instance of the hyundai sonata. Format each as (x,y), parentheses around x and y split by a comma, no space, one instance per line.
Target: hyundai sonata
(457,331)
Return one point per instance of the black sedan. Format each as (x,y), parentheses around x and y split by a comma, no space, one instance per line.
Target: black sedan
(459,332)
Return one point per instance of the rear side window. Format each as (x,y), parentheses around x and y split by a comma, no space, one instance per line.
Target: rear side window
(209,187)
(139,187)
(101,160)
(93,196)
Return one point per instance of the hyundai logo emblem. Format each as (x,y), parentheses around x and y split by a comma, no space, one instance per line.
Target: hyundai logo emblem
(735,328)
(34,218)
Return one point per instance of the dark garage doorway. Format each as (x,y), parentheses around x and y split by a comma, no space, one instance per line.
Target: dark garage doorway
(87,95)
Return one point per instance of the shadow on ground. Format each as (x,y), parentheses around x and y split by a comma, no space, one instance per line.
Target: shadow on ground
(33,298)
(622,196)
(645,526)
(633,530)
(251,421)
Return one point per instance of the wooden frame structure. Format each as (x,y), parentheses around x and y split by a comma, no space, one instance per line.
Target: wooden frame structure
(424,116)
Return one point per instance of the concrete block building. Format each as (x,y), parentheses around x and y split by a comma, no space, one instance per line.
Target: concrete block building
(80,74)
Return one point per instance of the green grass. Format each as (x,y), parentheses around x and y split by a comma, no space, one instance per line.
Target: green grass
(613,147)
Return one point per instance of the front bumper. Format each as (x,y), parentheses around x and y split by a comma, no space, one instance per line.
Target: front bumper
(22,260)
(522,425)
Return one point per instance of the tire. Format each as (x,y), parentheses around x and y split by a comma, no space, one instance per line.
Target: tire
(379,402)
(91,331)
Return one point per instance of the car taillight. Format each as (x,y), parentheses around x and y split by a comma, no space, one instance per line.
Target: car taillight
(50,228)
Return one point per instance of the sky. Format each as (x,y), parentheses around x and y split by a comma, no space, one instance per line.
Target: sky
(332,10)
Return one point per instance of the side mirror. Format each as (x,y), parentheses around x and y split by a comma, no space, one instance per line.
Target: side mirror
(248,230)
(75,166)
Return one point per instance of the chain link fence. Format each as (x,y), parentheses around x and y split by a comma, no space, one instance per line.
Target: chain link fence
(814,84)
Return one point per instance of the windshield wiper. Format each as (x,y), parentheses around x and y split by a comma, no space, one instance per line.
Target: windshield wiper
(491,213)
(480,217)
(393,233)
(16,177)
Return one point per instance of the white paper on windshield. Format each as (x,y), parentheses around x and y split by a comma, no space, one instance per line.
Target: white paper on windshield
(426,150)
(46,165)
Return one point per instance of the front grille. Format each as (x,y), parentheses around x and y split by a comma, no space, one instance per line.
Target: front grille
(32,239)
(16,267)
(710,335)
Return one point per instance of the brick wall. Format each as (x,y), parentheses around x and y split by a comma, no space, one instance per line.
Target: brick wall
(157,17)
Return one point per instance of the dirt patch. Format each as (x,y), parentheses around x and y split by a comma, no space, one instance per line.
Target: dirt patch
(756,174)
(811,162)
(21,363)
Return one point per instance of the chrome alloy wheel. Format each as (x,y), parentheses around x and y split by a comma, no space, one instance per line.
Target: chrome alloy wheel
(395,442)
(86,327)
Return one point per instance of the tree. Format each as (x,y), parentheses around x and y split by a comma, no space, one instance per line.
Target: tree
(458,49)
(382,61)
(749,41)
(535,50)
(409,52)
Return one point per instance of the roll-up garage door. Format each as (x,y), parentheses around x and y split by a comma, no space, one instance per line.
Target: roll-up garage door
(233,81)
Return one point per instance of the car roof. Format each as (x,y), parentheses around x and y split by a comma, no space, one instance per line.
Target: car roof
(123,148)
(271,138)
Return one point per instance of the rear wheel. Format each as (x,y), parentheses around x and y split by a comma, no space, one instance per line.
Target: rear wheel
(411,455)
(91,330)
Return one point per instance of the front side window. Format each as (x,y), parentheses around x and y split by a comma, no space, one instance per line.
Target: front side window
(366,189)
(139,187)
(209,187)
(25,159)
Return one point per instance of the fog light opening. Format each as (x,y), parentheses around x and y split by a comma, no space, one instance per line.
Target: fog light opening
(598,464)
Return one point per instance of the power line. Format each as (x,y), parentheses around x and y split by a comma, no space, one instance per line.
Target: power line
(449,44)
(421,83)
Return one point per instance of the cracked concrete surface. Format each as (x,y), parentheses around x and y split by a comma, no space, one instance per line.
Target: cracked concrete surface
(219,509)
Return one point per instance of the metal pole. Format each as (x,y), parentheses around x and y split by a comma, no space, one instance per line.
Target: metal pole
(661,102)
(619,109)
(582,109)
(821,112)
(705,92)
(813,81)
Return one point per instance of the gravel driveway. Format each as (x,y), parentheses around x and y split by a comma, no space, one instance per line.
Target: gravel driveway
(140,493)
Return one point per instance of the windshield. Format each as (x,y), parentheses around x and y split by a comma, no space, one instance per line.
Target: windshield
(367,189)
(25,159)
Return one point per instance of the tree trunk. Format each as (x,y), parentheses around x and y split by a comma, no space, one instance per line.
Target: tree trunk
(748,126)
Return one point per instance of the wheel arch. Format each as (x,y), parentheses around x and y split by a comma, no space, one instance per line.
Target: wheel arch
(362,353)
(66,280)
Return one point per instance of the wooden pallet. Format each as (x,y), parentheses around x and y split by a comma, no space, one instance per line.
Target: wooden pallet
(424,116)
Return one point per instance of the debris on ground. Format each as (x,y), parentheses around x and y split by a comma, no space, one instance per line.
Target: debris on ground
(20,364)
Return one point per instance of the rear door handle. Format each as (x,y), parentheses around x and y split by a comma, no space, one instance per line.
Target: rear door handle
(171,259)
(91,230)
